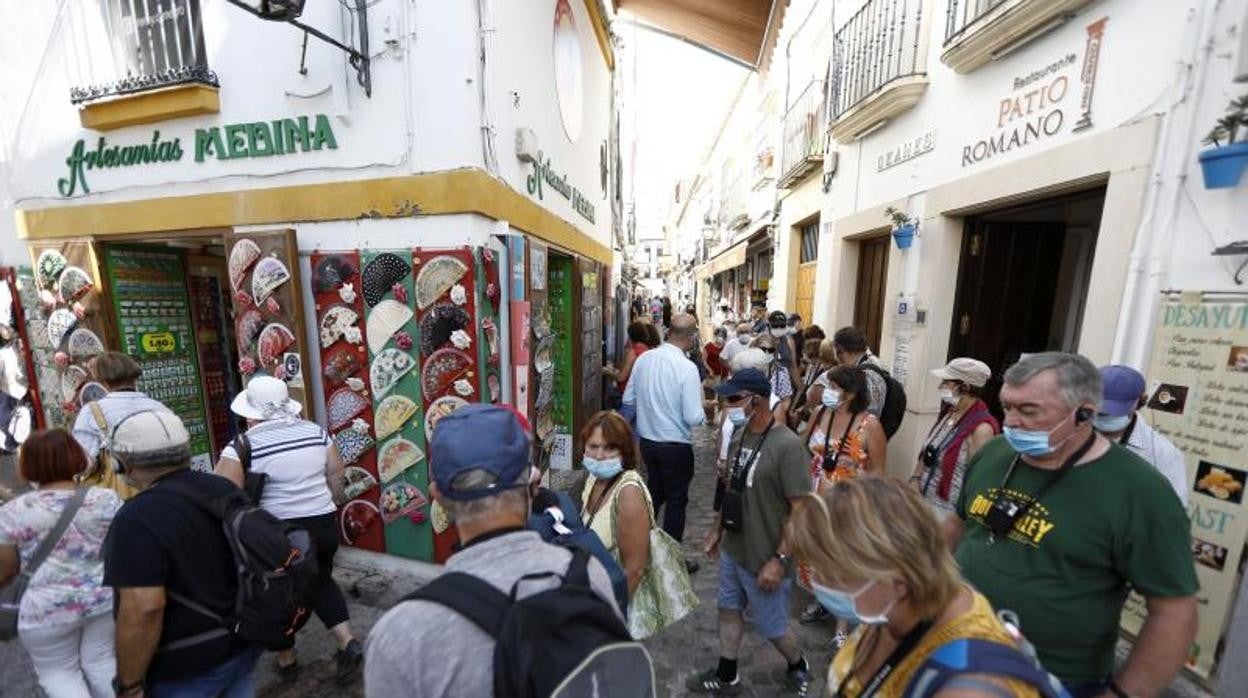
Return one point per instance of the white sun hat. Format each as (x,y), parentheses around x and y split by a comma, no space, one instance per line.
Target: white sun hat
(265,398)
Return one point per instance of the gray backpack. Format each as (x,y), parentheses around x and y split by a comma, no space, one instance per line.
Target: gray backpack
(11,594)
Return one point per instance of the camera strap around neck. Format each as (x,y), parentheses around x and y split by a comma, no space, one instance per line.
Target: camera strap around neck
(905,647)
(1067,466)
(739,473)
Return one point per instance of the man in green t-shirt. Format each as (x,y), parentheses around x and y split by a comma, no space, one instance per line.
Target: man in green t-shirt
(769,472)
(1056,523)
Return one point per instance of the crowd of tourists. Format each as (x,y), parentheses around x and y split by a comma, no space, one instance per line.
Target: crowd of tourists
(998,566)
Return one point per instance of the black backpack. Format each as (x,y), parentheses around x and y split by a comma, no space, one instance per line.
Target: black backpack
(894,409)
(276,566)
(565,642)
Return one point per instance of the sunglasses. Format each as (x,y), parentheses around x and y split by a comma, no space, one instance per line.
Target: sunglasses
(737,399)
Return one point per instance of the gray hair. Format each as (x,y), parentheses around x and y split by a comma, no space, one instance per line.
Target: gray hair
(471,510)
(1078,378)
(750,358)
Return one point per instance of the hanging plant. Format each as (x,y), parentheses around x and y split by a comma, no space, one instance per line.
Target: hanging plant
(1224,162)
(904,227)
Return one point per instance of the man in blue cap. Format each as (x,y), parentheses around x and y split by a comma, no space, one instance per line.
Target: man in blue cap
(768,475)
(1122,395)
(479,458)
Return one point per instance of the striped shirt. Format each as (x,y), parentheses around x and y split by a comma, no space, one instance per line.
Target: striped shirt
(294,456)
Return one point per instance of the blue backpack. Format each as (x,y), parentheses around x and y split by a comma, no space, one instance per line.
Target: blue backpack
(557,521)
(967,656)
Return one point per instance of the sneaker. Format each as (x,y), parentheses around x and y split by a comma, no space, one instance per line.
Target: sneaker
(814,613)
(348,660)
(797,682)
(709,682)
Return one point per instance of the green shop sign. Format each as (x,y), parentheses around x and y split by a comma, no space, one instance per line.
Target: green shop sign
(257,139)
(543,172)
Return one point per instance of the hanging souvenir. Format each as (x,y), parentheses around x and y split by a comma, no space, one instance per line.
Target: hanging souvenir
(495,388)
(442,369)
(358,481)
(357,516)
(392,413)
(439,324)
(73,284)
(90,392)
(59,324)
(438,518)
(247,329)
(331,273)
(396,456)
(355,384)
(401,499)
(49,267)
(352,444)
(387,368)
(37,330)
(73,379)
(381,274)
(274,339)
(242,257)
(340,366)
(342,406)
(436,277)
(439,409)
(269,274)
(83,343)
(334,323)
(386,318)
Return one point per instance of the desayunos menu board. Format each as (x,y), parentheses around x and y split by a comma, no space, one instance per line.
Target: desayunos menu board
(149,295)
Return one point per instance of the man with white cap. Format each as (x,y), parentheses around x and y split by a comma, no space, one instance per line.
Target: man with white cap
(161,548)
(963,426)
(1122,395)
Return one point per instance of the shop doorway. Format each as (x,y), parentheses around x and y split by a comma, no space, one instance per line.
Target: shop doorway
(869,293)
(1023,279)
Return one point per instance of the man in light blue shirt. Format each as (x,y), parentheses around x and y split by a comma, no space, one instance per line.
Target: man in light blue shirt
(666,393)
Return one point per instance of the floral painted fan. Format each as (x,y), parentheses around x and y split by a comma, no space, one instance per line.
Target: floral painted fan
(340,366)
(84,343)
(440,325)
(396,456)
(74,284)
(71,381)
(275,339)
(49,267)
(269,274)
(335,323)
(439,409)
(247,329)
(381,274)
(357,516)
(436,277)
(358,480)
(60,322)
(331,273)
(342,407)
(352,444)
(387,368)
(392,414)
(244,254)
(401,499)
(442,370)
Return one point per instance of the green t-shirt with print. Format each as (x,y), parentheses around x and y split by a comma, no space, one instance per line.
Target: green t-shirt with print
(1109,525)
(781,471)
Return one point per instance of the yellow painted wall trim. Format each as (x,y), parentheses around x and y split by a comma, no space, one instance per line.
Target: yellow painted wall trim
(150,106)
(435,193)
(599,22)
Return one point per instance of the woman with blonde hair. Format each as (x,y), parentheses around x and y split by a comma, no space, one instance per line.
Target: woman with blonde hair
(878,559)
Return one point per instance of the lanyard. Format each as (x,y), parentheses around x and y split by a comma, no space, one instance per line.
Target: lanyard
(944,443)
(1061,472)
(840,445)
(739,475)
(881,675)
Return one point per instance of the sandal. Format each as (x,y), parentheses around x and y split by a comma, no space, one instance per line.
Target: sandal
(709,682)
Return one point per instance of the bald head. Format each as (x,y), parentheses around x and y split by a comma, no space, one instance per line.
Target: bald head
(683,330)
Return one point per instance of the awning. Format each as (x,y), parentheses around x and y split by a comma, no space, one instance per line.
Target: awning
(742,30)
(730,258)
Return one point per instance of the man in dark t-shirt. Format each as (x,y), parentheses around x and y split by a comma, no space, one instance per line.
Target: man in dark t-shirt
(164,556)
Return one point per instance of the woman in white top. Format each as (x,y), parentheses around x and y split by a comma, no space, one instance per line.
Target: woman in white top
(304,478)
(65,621)
(615,503)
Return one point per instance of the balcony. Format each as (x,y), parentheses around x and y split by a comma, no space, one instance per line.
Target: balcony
(879,69)
(803,135)
(137,61)
(979,31)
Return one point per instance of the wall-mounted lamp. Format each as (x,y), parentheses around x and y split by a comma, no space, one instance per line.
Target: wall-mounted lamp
(289,11)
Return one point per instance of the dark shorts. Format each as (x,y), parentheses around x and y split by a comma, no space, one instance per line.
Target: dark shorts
(738,589)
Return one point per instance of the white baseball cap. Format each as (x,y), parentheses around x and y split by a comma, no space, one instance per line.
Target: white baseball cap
(969,371)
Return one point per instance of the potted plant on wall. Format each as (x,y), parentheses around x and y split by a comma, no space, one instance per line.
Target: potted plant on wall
(1225,162)
(904,227)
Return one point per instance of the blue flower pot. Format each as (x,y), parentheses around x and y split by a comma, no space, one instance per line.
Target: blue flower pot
(904,236)
(1222,167)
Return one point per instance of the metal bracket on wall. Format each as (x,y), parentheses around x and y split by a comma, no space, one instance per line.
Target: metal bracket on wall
(289,10)
(1239,247)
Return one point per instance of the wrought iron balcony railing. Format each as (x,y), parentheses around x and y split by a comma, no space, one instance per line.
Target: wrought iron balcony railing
(964,13)
(880,44)
(804,138)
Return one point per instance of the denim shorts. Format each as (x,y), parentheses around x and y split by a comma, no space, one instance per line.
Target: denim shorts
(738,589)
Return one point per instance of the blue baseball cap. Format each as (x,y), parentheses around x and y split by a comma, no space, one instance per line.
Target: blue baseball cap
(749,380)
(479,437)
(1122,387)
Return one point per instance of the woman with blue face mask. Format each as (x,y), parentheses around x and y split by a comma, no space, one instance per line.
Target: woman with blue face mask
(878,560)
(615,503)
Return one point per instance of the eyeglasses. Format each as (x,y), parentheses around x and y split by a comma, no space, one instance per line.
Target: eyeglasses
(737,399)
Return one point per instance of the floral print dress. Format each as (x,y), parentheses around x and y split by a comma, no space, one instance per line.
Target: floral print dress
(68,587)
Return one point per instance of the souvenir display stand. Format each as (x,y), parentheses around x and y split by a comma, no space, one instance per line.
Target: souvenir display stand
(213,335)
(561,302)
(18,387)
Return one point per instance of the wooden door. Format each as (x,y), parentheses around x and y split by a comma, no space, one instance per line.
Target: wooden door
(869,294)
(806,291)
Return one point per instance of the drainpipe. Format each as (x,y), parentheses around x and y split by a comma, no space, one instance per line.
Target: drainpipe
(485,34)
(1149,262)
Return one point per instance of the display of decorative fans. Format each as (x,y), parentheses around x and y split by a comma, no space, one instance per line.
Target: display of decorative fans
(392,413)
(73,284)
(242,257)
(343,405)
(274,339)
(395,456)
(387,368)
(381,274)
(268,275)
(436,277)
(442,369)
(335,322)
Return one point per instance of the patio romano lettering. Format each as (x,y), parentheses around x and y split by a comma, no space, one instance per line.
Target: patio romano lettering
(1026,116)
(233,141)
(544,173)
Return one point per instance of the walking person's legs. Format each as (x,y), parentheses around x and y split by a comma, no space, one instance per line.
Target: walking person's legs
(97,655)
(327,600)
(652,456)
(678,461)
(54,652)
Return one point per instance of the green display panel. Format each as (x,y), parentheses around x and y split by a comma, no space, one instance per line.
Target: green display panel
(561,324)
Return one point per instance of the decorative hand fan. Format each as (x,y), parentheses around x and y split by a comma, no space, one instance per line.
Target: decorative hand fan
(384,320)
(91,392)
(438,518)
(247,329)
(439,409)
(49,267)
(358,481)
(73,284)
(357,516)
(442,370)
(495,388)
(352,444)
(335,322)
(71,381)
(84,343)
(275,339)
(242,256)
(340,366)
(342,406)
(392,414)
(436,277)
(387,368)
(59,324)
(401,499)
(383,272)
(439,325)
(269,274)
(396,456)
(331,273)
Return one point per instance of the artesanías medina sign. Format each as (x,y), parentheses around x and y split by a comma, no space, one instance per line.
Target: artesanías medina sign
(257,139)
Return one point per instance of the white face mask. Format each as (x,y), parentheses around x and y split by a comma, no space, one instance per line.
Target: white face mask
(779,331)
(947,396)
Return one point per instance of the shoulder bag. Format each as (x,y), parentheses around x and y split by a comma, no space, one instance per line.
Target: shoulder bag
(103,472)
(11,594)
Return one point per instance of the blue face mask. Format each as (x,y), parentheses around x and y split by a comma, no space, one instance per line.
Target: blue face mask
(604,469)
(1110,424)
(831,398)
(1036,444)
(737,416)
(843,604)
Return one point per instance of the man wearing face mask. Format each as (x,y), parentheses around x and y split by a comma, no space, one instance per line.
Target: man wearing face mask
(1056,523)
(786,351)
(1118,419)
(767,476)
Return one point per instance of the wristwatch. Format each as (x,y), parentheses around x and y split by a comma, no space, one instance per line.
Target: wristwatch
(783,559)
(121,689)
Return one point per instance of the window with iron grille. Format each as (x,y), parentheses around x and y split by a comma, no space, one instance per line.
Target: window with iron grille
(810,242)
(153,43)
